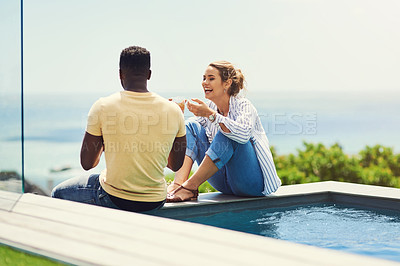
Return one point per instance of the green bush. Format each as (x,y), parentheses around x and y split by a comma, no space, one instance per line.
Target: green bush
(376,165)
(380,156)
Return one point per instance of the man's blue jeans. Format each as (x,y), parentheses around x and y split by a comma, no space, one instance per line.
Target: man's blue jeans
(239,171)
(88,190)
(85,190)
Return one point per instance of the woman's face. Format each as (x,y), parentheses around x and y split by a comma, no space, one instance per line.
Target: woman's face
(212,84)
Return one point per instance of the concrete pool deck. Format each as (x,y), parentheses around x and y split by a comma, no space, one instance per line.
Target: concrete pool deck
(293,195)
(89,235)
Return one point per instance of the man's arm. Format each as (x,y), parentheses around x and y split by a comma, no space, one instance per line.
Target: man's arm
(92,147)
(177,154)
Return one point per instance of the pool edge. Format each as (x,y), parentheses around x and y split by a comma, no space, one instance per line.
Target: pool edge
(291,195)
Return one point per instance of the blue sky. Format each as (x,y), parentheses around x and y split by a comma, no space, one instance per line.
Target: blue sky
(281,45)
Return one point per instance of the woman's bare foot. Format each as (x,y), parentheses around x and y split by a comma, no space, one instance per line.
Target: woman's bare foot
(171,187)
(181,175)
(182,194)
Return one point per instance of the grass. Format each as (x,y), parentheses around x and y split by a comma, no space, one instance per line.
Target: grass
(11,256)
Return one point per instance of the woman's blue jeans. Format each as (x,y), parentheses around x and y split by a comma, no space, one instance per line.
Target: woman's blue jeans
(239,171)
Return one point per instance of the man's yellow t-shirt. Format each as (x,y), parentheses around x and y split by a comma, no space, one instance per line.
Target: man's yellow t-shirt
(138,130)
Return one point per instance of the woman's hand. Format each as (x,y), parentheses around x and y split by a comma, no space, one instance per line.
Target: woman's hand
(180,104)
(200,109)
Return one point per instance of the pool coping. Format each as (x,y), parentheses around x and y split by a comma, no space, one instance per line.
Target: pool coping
(70,232)
(292,195)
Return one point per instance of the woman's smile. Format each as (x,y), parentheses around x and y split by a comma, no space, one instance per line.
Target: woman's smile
(212,83)
(208,90)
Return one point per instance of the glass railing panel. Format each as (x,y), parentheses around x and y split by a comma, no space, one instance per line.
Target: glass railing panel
(11,169)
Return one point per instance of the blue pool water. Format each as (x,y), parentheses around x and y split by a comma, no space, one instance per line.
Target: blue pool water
(349,229)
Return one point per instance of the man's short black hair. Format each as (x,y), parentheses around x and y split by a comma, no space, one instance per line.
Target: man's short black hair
(135,59)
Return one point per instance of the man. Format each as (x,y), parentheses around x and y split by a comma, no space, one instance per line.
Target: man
(140,133)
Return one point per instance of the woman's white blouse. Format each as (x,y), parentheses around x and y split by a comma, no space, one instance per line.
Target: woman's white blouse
(245,125)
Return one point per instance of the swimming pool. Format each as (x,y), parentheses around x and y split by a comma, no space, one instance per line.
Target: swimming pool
(338,199)
(361,231)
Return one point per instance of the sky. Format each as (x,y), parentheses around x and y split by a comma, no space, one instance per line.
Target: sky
(281,45)
(284,48)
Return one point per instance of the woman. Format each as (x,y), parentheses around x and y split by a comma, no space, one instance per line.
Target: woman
(227,141)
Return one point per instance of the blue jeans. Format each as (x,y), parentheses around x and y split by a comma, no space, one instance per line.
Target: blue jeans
(239,171)
(88,190)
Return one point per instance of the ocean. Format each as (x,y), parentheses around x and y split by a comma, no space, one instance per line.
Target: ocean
(55,124)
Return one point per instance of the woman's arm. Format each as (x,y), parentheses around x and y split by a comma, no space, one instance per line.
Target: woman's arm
(240,129)
(224,128)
